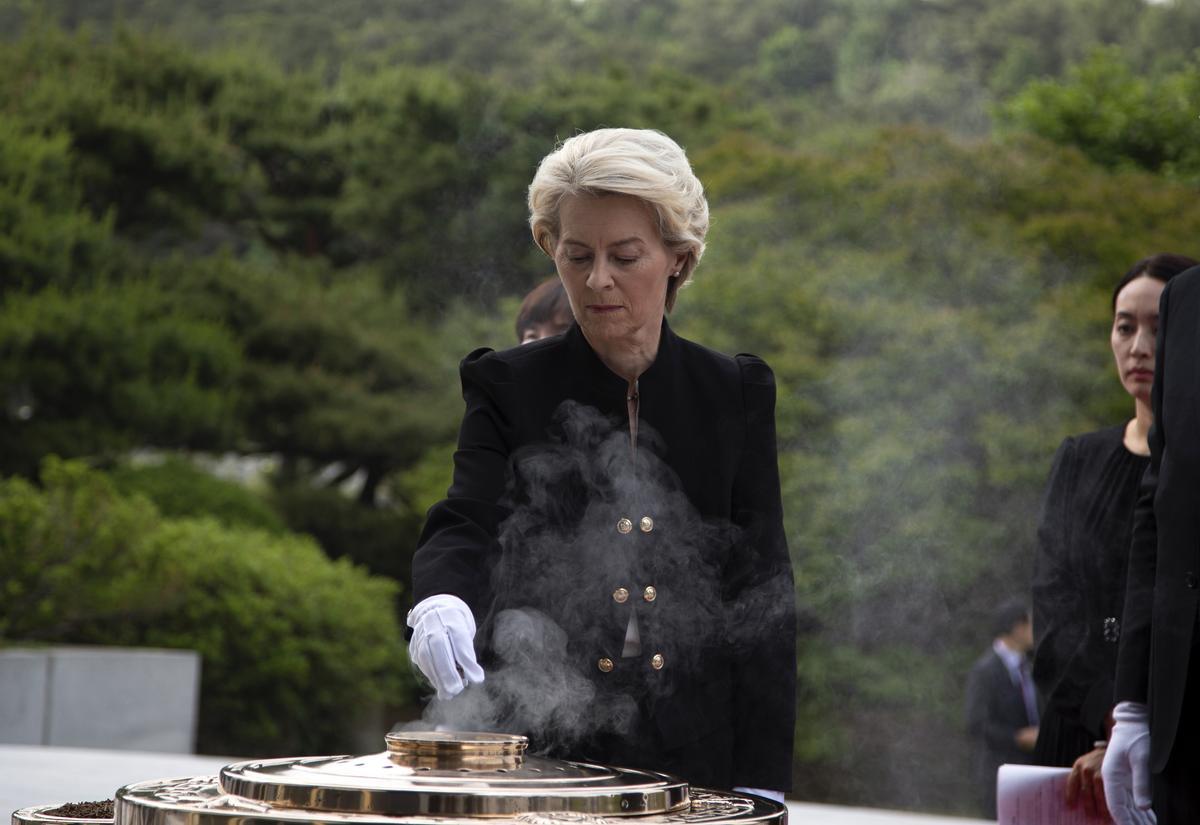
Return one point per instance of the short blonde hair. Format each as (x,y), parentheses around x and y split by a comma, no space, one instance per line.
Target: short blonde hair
(643,163)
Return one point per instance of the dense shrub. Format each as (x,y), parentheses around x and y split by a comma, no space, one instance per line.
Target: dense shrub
(379,538)
(73,556)
(179,488)
(290,659)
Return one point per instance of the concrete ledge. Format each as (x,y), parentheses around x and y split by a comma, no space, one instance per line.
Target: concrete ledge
(112,697)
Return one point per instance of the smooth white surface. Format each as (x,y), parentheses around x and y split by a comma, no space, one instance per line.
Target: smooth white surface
(806,813)
(34,775)
(41,776)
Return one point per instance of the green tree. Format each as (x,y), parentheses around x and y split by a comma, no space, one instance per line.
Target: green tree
(45,235)
(98,370)
(1118,117)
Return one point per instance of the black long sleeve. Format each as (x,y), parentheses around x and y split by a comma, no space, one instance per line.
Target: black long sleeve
(760,586)
(1079,587)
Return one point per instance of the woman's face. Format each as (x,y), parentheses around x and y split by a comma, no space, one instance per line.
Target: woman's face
(613,265)
(1135,324)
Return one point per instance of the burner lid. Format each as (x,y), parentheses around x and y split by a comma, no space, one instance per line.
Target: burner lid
(453,774)
(425,779)
(201,801)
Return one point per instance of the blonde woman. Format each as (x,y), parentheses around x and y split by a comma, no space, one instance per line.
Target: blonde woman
(614,526)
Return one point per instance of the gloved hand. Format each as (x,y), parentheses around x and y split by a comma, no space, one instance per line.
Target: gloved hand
(443,644)
(776,796)
(1126,768)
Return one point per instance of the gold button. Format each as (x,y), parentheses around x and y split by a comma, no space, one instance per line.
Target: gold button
(656,661)
(647,524)
(620,595)
(624,526)
(649,594)
(606,664)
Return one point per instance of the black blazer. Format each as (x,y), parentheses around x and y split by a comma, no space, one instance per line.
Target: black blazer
(1164,560)
(544,475)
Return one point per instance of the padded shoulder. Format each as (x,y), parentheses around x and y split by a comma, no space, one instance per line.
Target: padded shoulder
(755,370)
(476,354)
(484,364)
(522,362)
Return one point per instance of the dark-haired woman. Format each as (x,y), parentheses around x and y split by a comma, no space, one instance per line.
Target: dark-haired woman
(545,311)
(1083,548)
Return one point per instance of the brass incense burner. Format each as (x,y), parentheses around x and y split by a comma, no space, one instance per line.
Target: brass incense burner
(424,778)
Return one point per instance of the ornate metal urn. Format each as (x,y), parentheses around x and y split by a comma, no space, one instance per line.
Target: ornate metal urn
(423,778)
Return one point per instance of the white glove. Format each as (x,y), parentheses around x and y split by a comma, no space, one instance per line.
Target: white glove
(1126,768)
(775,796)
(443,644)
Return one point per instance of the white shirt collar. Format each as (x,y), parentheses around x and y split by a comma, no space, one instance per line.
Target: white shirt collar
(1011,658)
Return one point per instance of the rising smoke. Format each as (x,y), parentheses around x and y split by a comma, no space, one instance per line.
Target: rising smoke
(553,613)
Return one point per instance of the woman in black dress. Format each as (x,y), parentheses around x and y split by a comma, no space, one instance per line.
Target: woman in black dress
(1083,547)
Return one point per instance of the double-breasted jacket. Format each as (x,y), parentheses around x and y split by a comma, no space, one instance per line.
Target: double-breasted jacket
(661,557)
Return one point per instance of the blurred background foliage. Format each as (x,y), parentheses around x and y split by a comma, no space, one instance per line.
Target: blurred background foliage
(243,246)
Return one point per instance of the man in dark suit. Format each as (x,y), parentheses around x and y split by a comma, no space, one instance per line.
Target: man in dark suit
(1001,703)
(1153,755)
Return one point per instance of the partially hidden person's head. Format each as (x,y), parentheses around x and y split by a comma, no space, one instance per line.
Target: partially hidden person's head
(1011,623)
(1135,319)
(624,218)
(544,312)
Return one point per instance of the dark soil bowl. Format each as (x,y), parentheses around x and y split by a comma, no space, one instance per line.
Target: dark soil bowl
(77,813)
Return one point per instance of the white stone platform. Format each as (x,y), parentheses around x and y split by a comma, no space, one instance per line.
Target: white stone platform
(32,775)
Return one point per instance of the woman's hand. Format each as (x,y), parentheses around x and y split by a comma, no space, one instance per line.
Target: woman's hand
(1086,785)
(1026,738)
(443,644)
